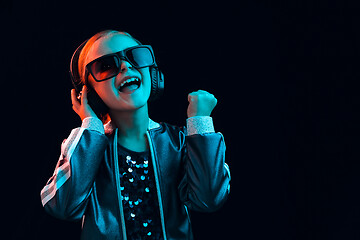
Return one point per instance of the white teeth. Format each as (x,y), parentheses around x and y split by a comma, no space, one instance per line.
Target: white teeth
(133,79)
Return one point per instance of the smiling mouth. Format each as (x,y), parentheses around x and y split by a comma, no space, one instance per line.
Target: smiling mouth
(130,85)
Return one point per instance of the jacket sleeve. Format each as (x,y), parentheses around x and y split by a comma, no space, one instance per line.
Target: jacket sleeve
(66,193)
(206,181)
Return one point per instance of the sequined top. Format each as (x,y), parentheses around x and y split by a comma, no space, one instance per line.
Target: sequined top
(139,197)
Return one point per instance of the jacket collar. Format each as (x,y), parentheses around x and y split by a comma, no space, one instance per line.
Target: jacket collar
(110,127)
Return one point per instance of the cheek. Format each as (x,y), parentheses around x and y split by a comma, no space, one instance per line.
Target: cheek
(104,89)
(146,78)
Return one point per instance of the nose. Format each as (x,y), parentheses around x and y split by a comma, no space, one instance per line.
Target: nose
(125,65)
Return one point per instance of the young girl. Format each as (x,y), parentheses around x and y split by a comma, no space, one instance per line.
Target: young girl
(125,175)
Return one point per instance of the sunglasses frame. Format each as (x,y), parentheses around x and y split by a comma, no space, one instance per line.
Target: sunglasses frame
(121,55)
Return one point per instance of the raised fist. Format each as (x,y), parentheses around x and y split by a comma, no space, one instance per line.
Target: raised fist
(201,103)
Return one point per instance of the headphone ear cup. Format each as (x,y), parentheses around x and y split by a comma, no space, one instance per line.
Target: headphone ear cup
(74,71)
(96,103)
(76,84)
(157,83)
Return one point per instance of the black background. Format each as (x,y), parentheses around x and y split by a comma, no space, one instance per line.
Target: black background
(286,77)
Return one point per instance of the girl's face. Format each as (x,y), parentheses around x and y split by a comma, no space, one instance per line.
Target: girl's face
(111,91)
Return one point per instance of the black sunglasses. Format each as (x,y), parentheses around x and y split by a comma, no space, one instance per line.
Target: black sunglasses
(109,66)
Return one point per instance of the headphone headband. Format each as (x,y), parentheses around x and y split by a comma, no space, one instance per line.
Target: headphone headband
(74,67)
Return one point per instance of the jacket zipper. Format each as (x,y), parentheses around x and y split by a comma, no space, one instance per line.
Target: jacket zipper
(157,184)
(118,188)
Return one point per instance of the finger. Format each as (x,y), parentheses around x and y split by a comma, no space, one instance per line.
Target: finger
(74,100)
(191,97)
(215,101)
(206,93)
(202,91)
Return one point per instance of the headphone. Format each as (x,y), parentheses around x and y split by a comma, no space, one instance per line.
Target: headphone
(96,103)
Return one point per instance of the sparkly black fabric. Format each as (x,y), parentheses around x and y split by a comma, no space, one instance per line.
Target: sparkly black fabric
(139,197)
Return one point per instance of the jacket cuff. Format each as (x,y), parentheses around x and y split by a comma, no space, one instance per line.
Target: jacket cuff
(199,125)
(93,123)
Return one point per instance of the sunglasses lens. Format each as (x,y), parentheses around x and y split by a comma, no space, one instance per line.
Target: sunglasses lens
(140,57)
(109,66)
(106,67)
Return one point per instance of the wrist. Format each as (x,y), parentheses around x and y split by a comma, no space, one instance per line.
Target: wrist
(198,115)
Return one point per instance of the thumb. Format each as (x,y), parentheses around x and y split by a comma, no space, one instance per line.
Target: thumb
(190,97)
